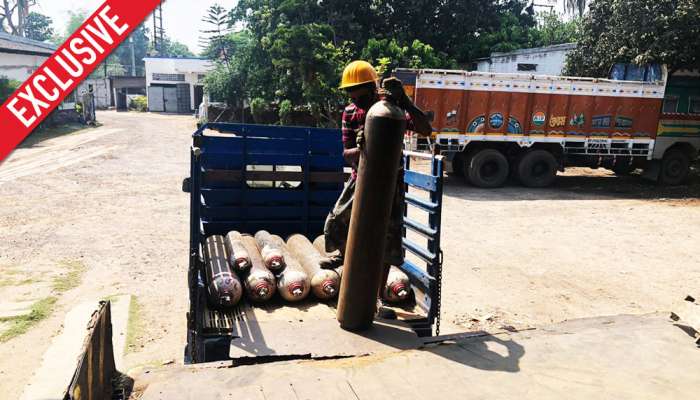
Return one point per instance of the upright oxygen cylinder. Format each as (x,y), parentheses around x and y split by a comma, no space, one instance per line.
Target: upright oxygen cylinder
(259,282)
(398,286)
(271,250)
(238,255)
(377,176)
(293,283)
(320,245)
(223,286)
(324,282)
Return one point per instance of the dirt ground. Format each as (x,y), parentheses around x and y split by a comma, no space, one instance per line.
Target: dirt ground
(109,199)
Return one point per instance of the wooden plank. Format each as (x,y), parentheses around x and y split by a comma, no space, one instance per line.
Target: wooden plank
(218,175)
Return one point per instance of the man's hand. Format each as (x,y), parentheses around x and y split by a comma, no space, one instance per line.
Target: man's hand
(392,88)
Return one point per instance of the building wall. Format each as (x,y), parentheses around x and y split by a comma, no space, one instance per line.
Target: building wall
(192,69)
(19,66)
(547,60)
(101,90)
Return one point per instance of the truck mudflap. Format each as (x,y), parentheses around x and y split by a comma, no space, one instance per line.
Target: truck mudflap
(285,180)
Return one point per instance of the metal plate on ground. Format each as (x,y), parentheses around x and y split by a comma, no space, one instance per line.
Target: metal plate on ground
(311,331)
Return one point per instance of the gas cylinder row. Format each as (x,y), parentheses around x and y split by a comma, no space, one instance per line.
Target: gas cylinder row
(263,264)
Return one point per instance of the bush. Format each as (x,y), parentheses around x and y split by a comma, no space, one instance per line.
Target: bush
(258,107)
(139,103)
(285,112)
(7,87)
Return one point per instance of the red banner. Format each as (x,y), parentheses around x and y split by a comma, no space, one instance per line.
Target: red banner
(74,61)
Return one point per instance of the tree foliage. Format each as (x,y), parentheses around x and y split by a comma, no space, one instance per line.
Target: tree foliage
(637,31)
(293,52)
(38,27)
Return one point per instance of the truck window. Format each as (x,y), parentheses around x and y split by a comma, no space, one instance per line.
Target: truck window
(694,105)
(670,104)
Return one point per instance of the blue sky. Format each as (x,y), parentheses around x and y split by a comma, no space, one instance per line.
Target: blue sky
(181,18)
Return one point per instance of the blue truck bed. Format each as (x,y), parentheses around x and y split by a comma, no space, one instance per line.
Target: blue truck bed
(285,180)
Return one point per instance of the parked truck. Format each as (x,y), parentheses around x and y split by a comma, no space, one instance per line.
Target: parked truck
(491,126)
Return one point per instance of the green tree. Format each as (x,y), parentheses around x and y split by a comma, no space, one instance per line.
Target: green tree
(214,40)
(638,31)
(75,20)
(173,48)
(7,87)
(551,30)
(38,27)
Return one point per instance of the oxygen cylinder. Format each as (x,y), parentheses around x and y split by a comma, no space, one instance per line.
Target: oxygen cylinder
(398,286)
(324,282)
(374,191)
(259,282)
(271,250)
(238,255)
(223,286)
(293,283)
(320,245)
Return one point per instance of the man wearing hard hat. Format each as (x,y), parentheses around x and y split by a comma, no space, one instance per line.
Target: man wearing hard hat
(360,81)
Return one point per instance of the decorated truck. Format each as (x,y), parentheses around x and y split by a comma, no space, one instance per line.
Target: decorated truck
(491,126)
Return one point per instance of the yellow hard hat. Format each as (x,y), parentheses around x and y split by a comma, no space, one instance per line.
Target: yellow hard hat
(358,73)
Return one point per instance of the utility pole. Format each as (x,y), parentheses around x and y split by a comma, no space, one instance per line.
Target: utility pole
(133,57)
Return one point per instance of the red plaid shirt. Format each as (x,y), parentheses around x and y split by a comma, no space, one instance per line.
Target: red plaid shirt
(353,121)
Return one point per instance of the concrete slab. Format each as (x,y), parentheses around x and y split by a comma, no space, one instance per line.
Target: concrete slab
(59,362)
(620,357)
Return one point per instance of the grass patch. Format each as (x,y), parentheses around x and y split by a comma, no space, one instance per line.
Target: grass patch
(135,325)
(71,278)
(10,282)
(40,310)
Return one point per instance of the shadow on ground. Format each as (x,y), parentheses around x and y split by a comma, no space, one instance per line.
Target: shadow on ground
(598,186)
(47,133)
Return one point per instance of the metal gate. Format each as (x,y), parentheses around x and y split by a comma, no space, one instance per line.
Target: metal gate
(156,101)
(170,99)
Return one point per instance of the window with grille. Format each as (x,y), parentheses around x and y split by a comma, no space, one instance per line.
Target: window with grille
(169,77)
(670,104)
(527,67)
(694,105)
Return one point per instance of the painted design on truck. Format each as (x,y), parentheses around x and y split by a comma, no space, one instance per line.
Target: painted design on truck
(577,120)
(676,125)
(539,118)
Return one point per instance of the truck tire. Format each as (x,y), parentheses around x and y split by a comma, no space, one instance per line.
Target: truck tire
(675,167)
(488,168)
(623,166)
(537,169)
(457,166)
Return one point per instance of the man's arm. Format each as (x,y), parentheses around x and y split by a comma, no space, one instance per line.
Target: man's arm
(393,89)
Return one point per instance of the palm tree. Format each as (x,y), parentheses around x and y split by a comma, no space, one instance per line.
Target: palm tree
(576,6)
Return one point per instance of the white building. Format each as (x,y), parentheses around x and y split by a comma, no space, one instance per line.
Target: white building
(175,84)
(20,57)
(548,60)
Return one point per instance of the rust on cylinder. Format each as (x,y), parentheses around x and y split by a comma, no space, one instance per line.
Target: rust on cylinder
(238,255)
(398,286)
(293,283)
(223,286)
(377,174)
(271,250)
(325,283)
(260,284)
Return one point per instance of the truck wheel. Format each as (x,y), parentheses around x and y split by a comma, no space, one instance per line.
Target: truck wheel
(623,166)
(457,166)
(675,167)
(537,169)
(487,169)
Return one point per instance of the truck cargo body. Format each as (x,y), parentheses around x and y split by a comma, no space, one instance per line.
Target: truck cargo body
(580,121)
(285,180)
